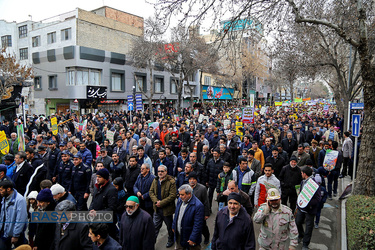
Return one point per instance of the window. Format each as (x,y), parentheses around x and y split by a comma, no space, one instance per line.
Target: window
(116,82)
(140,82)
(51,37)
(66,34)
(187,90)
(52,82)
(22,31)
(174,83)
(191,77)
(207,80)
(36,41)
(159,85)
(38,83)
(24,54)
(83,76)
(6,41)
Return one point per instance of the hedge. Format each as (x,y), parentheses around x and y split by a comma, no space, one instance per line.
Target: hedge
(360,222)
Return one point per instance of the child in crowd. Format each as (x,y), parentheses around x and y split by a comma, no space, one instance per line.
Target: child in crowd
(32,207)
(222,184)
(118,183)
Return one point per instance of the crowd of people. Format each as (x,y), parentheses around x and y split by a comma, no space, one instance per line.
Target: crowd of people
(171,171)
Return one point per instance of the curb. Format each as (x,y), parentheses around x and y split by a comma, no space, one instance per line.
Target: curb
(344,241)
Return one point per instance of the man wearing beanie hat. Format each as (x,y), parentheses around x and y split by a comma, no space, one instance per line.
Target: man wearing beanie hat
(269,216)
(233,227)
(290,178)
(59,194)
(137,230)
(45,231)
(104,197)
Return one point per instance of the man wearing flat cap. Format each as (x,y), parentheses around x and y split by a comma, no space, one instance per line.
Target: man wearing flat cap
(277,223)
(137,231)
(233,227)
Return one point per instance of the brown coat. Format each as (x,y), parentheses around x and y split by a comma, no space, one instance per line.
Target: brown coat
(168,194)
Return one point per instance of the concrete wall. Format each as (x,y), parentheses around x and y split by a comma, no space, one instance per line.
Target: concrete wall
(99,32)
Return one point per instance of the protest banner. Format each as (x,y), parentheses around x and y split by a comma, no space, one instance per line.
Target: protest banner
(330,159)
(110,136)
(308,191)
(54,125)
(248,115)
(21,138)
(4,145)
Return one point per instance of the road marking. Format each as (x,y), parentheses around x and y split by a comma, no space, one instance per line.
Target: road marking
(318,246)
(325,232)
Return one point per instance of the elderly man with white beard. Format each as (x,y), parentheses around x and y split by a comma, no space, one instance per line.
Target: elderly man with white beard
(137,230)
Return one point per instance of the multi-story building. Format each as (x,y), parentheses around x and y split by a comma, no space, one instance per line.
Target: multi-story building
(80,61)
(244,65)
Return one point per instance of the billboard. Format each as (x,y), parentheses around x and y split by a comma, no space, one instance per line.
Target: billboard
(242,24)
(217,93)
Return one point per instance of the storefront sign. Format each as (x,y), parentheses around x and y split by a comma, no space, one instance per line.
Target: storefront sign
(74,105)
(96,92)
(110,101)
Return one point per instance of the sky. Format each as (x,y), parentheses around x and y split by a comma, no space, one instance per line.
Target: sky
(19,10)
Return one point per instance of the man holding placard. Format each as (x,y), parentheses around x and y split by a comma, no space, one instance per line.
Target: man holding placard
(307,206)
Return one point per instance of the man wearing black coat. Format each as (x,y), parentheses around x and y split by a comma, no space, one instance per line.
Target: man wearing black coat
(22,172)
(131,174)
(54,159)
(45,231)
(233,227)
(277,161)
(72,236)
(104,197)
(290,179)
(137,230)
(33,158)
(289,144)
(214,167)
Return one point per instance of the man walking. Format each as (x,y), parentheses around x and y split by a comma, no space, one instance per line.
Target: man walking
(233,227)
(277,223)
(163,195)
(188,220)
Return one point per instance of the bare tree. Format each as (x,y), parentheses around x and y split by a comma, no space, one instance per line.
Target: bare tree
(145,55)
(193,54)
(11,73)
(351,20)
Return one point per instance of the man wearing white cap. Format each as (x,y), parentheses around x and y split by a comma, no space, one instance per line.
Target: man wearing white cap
(277,223)
(59,194)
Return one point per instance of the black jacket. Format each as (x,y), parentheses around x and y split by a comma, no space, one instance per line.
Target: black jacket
(213,170)
(290,177)
(137,231)
(53,161)
(22,177)
(289,146)
(131,175)
(45,232)
(76,237)
(237,234)
(104,198)
(277,164)
(36,161)
(64,173)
